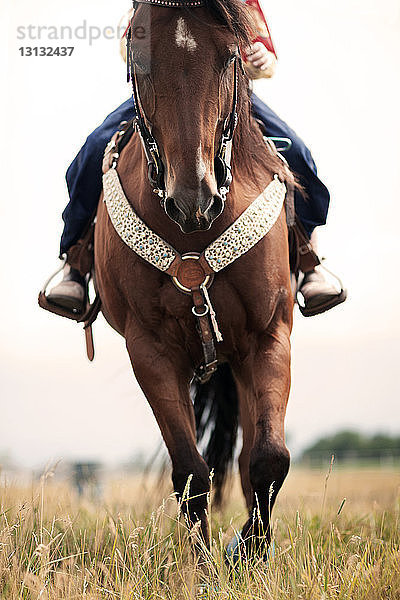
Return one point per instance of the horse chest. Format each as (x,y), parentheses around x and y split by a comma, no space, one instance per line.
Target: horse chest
(244,296)
(169,310)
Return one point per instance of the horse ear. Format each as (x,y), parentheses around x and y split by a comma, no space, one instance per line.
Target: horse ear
(125,25)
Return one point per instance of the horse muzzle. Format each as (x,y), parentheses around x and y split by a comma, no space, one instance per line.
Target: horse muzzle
(192,218)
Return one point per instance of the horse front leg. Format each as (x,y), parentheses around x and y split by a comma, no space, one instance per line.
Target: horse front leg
(265,458)
(164,376)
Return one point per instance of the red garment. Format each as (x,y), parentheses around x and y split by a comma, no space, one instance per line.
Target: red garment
(264,35)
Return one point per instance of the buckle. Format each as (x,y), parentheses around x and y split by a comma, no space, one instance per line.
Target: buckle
(205,311)
(204,371)
(305,249)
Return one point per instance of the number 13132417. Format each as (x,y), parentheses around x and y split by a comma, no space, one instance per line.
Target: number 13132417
(46,51)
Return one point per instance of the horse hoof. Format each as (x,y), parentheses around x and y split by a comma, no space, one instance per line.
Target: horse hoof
(205,591)
(235,552)
(269,554)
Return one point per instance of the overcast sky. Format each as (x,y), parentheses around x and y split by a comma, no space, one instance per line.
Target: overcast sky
(337,84)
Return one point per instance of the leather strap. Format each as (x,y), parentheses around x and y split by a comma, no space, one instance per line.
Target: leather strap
(191,275)
(81,255)
(88,317)
(302,256)
(289,200)
(202,314)
(89,342)
(117,143)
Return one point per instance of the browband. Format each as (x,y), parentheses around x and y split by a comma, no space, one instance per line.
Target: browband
(172,3)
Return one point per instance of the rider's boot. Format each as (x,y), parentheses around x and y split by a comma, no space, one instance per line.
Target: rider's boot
(319,295)
(70,293)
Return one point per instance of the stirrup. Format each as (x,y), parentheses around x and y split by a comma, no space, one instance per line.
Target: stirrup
(324,306)
(87,317)
(57,309)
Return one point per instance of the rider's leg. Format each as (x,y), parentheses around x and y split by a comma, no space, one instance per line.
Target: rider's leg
(84,181)
(311,208)
(84,176)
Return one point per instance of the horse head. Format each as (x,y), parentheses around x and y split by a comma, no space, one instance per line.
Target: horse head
(184,64)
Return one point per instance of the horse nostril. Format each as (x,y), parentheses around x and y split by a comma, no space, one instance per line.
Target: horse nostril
(215,207)
(172,209)
(190,215)
(203,213)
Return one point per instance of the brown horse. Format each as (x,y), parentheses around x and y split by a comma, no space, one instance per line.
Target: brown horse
(185,63)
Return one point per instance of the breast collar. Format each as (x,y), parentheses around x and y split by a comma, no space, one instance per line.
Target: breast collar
(252,225)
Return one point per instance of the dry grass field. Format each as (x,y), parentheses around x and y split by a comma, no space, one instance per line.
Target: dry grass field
(336,537)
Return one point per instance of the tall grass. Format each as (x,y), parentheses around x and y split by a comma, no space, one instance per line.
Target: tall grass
(336,537)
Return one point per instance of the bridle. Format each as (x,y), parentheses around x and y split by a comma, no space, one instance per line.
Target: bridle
(155,166)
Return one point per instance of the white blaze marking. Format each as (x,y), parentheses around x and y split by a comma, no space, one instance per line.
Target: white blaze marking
(200,164)
(183,37)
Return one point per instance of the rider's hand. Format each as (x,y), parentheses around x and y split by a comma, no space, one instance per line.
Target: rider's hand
(258,56)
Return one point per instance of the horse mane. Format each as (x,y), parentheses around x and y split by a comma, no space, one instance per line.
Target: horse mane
(234,15)
(251,152)
(247,143)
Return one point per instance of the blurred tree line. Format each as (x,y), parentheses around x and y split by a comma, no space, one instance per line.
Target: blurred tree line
(354,446)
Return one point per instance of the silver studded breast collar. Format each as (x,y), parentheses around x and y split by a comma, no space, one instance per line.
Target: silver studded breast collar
(252,225)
